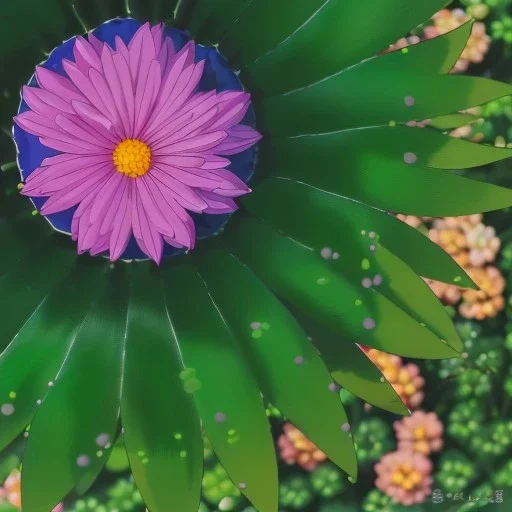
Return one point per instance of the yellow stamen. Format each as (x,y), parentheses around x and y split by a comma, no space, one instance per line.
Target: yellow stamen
(420,433)
(132,157)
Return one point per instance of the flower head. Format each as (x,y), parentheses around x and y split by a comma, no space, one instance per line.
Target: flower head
(421,433)
(405,378)
(404,476)
(487,301)
(478,44)
(483,245)
(138,148)
(296,448)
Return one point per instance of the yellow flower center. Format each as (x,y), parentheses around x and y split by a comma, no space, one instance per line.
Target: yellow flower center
(420,433)
(406,477)
(133,158)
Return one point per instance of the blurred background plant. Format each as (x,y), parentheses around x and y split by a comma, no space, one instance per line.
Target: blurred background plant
(454,453)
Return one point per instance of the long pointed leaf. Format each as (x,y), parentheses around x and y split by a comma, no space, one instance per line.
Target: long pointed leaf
(356,261)
(33,358)
(418,251)
(375,94)
(332,40)
(290,372)
(309,283)
(226,393)
(87,388)
(161,426)
(381,166)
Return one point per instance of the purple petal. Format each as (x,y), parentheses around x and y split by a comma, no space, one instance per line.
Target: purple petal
(217,204)
(240,138)
(71,196)
(122,225)
(184,195)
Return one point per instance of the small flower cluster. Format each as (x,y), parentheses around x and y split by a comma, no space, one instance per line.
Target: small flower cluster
(405,475)
(296,448)
(445,21)
(404,377)
(474,246)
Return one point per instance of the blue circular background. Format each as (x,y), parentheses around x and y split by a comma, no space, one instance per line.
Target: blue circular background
(217,75)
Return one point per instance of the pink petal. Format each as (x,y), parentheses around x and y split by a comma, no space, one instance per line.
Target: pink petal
(123,73)
(105,196)
(184,132)
(57,84)
(95,120)
(114,84)
(122,225)
(102,88)
(144,231)
(194,178)
(180,160)
(148,88)
(41,187)
(123,51)
(232,112)
(108,219)
(240,138)
(154,215)
(182,223)
(69,197)
(84,84)
(79,130)
(44,102)
(217,204)
(184,195)
(215,162)
(199,143)
(85,54)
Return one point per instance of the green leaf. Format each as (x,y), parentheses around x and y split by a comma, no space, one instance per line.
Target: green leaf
(246,40)
(24,287)
(374,94)
(161,427)
(353,370)
(210,20)
(226,392)
(411,294)
(87,387)
(453,121)
(437,55)
(384,166)
(38,349)
(93,13)
(19,238)
(299,275)
(339,35)
(290,373)
(424,256)
(355,259)
(154,11)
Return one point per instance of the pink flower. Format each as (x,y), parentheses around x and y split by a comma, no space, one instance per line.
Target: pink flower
(296,448)
(140,147)
(421,433)
(404,476)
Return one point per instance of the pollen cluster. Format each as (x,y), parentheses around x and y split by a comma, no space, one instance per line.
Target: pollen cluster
(132,157)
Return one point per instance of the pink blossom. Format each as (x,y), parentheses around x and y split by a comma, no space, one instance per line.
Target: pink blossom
(421,433)
(404,476)
(140,147)
(296,448)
